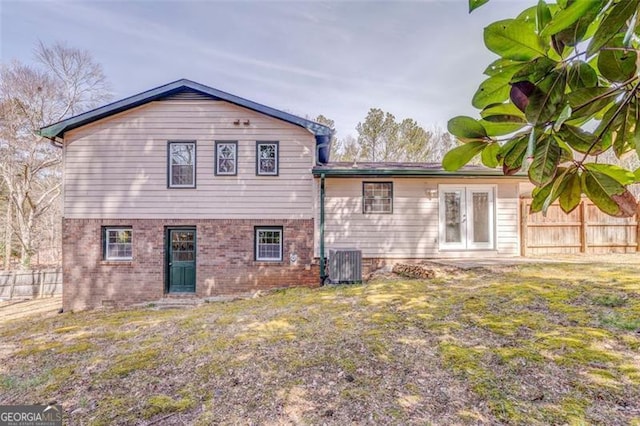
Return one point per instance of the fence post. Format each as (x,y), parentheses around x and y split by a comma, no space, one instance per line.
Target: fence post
(523,227)
(42,275)
(583,227)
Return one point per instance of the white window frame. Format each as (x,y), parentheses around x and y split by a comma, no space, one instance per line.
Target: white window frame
(276,170)
(107,248)
(466,206)
(257,232)
(365,198)
(233,144)
(170,165)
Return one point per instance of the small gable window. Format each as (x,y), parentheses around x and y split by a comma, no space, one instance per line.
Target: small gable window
(226,158)
(182,165)
(377,197)
(118,243)
(267,158)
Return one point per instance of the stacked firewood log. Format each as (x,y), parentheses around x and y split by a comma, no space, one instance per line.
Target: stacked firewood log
(413,270)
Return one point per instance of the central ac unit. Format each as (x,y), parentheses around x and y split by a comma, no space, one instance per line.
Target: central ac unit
(345,266)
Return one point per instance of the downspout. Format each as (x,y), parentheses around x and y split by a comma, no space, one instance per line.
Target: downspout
(323,148)
(323,274)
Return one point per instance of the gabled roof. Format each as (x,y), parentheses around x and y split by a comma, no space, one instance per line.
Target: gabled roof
(390,169)
(179,86)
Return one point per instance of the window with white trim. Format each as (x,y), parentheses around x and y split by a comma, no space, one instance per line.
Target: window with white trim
(267,158)
(118,243)
(377,197)
(226,158)
(182,164)
(269,244)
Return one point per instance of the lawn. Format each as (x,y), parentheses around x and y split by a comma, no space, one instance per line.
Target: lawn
(528,344)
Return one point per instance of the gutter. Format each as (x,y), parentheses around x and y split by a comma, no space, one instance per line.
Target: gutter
(410,173)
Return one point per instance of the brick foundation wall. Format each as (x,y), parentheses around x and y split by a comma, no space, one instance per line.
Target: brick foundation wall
(224,260)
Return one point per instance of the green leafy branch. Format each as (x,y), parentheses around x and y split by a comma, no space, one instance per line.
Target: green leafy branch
(565,83)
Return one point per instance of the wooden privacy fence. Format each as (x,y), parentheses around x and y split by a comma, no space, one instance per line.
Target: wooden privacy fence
(584,230)
(28,284)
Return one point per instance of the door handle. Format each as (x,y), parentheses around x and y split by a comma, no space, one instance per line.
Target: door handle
(170,263)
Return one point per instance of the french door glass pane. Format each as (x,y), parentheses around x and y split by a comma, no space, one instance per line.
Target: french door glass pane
(452,213)
(480,217)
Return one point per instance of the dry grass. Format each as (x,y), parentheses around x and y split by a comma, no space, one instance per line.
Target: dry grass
(528,344)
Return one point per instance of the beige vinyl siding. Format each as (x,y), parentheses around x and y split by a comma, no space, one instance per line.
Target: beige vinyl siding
(412,230)
(117,167)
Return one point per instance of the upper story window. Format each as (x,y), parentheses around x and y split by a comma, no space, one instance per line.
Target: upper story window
(377,197)
(227,158)
(267,158)
(182,165)
(118,243)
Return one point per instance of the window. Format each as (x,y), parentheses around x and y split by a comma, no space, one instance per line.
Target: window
(226,158)
(182,164)
(118,243)
(377,197)
(267,158)
(269,244)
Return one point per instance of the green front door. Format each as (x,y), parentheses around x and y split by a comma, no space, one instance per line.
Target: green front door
(182,260)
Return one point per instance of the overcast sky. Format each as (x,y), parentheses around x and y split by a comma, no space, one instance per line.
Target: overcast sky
(415,59)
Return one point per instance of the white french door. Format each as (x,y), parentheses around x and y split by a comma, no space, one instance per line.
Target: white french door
(467,217)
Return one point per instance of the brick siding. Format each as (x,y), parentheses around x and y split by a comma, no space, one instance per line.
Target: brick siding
(225,262)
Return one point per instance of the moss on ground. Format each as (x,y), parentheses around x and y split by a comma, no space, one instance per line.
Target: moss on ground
(534,344)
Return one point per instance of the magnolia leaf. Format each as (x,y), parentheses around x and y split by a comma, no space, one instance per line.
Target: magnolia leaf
(622,176)
(543,15)
(493,90)
(503,67)
(637,174)
(589,100)
(502,124)
(461,155)
(512,153)
(583,28)
(566,154)
(608,194)
(612,24)
(489,155)
(466,128)
(545,100)
(520,93)
(535,70)
(558,186)
(474,4)
(571,194)
(626,41)
(502,109)
(580,140)
(565,114)
(622,128)
(618,127)
(615,63)
(541,196)
(546,157)
(564,18)
(581,75)
(513,39)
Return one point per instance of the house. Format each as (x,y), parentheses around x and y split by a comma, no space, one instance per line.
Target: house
(185,189)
